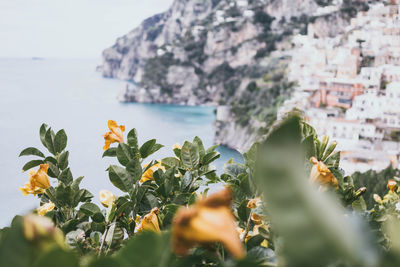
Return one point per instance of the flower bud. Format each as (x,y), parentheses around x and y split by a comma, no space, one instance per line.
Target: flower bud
(42,210)
(377,198)
(106,198)
(38,228)
(392,185)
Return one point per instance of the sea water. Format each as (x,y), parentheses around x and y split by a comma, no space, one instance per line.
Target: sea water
(69,94)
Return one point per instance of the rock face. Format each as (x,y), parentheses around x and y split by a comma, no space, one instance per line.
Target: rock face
(217,52)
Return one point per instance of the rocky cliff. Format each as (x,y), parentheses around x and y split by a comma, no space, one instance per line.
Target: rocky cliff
(229,53)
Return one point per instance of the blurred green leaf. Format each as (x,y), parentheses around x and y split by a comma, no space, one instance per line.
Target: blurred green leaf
(124,153)
(312,224)
(146,148)
(89,209)
(57,256)
(48,138)
(133,139)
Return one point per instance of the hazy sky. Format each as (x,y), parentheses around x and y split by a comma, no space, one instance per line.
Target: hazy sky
(69,28)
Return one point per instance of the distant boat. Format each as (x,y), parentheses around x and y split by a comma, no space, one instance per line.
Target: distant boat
(37,58)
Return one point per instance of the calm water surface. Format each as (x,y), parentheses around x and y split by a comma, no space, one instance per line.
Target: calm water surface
(69,94)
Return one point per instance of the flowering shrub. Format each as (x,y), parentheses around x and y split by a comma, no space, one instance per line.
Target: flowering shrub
(268,214)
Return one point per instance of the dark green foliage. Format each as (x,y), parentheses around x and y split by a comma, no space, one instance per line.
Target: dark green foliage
(375,182)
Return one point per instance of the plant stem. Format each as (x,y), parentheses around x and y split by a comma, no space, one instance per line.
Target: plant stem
(104,239)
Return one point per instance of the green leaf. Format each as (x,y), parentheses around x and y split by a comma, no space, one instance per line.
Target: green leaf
(53,170)
(63,160)
(105,262)
(210,157)
(146,148)
(200,146)
(254,241)
(170,162)
(61,257)
(76,183)
(31,164)
(133,139)
(66,176)
(243,211)
(31,151)
(168,214)
(114,236)
(211,148)
(124,153)
(111,152)
(42,134)
(134,169)
(187,180)
(120,178)
(60,141)
(312,223)
(48,138)
(190,155)
(14,249)
(159,255)
(261,255)
(89,209)
(64,195)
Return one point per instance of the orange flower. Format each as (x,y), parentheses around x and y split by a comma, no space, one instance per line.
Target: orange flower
(254,203)
(38,181)
(321,174)
(392,185)
(150,222)
(257,219)
(115,135)
(209,220)
(148,174)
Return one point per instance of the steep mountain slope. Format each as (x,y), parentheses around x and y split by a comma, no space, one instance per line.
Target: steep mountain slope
(230,53)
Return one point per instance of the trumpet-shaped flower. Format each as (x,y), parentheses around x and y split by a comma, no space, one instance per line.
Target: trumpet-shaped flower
(209,220)
(115,135)
(106,198)
(38,181)
(42,210)
(321,174)
(150,222)
(254,203)
(392,185)
(148,174)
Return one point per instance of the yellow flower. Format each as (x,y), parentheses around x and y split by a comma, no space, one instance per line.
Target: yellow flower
(254,203)
(40,178)
(148,174)
(115,135)
(392,185)
(38,181)
(37,228)
(264,243)
(209,220)
(177,146)
(28,189)
(321,174)
(106,198)
(150,222)
(257,219)
(42,210)
(377,198)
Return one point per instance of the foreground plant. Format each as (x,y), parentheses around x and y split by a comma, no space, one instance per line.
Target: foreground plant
(161,213)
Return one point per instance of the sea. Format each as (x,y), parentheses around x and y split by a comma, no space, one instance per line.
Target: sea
(69,94)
